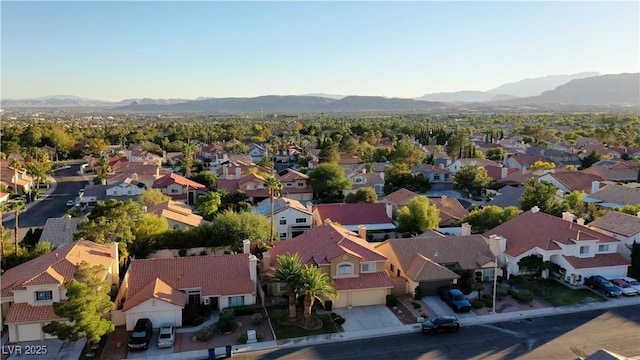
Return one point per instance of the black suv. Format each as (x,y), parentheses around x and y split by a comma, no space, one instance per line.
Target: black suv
(601,284)
(141,335)
(440,324)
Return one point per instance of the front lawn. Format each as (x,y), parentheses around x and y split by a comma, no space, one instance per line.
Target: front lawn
(554,292)
(288,332)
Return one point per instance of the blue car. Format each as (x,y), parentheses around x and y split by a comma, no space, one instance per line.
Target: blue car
(603,285)
(456,299)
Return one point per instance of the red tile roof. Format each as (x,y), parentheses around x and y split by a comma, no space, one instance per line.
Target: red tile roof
(537,229)
(325,243)
(215,274)
(354,214)
(364,281)
(173,178)
(400,197)
(600,260)
(157,289)
(450,208)
(56,267)
(23,312)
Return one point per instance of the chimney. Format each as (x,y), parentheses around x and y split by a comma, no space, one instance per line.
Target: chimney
(580,221)
(389,210)
(535,209)
(362,232)
(466,229)
(253,268)
(104,181)
(524,170)
(595,186)
(67,222)
(246,246)
(567,216)
(309,206)
(327,221)
(444,200)
(266,260)
(144,208)
(238,173)
(638,214)
(115,263)
(504,172)
(494,244)
(134,176)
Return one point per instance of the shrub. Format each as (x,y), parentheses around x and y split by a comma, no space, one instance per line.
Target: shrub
(204,334)
(242,338)
(510,292)
(226,323)
(392,300)
(486,297)
(514,295)
(488,302)
(328,305)
(477,304)
(244,310)
(256,319)
(424,315)
(415,305)
(501,292)
(337,318)
(525,296)
(259,337)
(418,292)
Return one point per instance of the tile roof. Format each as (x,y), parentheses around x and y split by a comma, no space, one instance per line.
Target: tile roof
(425,269)
(364,281)
(600,260)
(576,181)
(23,312)
(618,223)
(450,208)
(173,178)
(178,212)
(353,214)
(468,251)
(280,204)
(618,194)
(507,196)
(59,265)
(326,242)
(291,175)
(157,289)
(60,231)
(537,229)
(216,275)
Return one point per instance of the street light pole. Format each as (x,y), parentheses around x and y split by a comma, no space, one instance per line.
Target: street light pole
(495,282)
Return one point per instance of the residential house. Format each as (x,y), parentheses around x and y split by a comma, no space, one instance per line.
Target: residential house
(397,199)
(451,210)
(559,157)
(624,227)
(290,153)
(30,289)
(351,216)
(234,170)
(173,158)
(180,188)
(570,181)
(159,289)
(355,266)
(578,249)
(431,262)
(613,196)
(51,152)
(363,179)
(521,161)
(135,173)
(290,216)
(178,215)
(460,163)
(145,157)
(439,177)
(15,178)
(614,170)
(295,185)
(347,160)
(257,152)
(60,231)
(507,196)
(251,184)
(4,196)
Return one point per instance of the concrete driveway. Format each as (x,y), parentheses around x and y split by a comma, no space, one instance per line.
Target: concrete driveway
(367,317)
(440,307)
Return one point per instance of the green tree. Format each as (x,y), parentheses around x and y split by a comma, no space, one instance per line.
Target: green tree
(147,230)
(205,178)
(471,179)
(328,182)
(531,264)
(15,164)
(631,209)
(634,269)
(152,197)
(16,206)
(591,159)
(289,272)
(363,195)
(543,195)
(418,216)
(235,227)
(496,154)
(273,185)
(208,205)
(4,207)
(315,284)
(329,154)
(189,150)
(407,153)
(574,201)
(542,165)
(489,217)
(97,146)
(86,309)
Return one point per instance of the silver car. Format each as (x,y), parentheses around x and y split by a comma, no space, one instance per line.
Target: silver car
(167,336)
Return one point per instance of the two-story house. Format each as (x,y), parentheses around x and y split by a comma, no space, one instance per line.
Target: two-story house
(351,216)
(179,188)
(290,216)
(363,179)
(30,289)
(356,268)
(295,185)
(578,249)
(257,152)
(624,227)
(438,176)
(178,215)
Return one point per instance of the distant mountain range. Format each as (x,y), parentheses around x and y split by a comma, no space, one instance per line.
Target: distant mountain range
(559,90)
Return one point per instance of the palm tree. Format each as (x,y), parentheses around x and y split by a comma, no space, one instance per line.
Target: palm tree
(3,209)
(17,206)
(315,284)
(289,273)
(15,164)
(274,186)
(189,150)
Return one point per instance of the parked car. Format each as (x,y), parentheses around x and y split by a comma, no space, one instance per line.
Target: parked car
(456,299)
(70,203)
(626,288)
(166,336)
(603,285)
(633,282)
(141,335)
(440,324)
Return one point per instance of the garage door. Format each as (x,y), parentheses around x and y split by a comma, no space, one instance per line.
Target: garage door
(433,287)
(157,318)
(29,332)
(342,300)
(369,297)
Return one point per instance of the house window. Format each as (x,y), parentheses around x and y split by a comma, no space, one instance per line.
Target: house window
(45,295)
(345,269)
(282,287)
(174,191)
(358,180)
(283,221)
(392,268)
(193,297)
(236,300)
(128,192)
(603,248)
(488,274)
(584,250)
(301,220)
(300,184)
(289,184)
(367,267)
(283,235)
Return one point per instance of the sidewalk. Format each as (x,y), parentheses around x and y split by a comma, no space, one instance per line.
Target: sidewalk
(403,329)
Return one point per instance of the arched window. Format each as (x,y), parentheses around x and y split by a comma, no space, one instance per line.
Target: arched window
(345,269)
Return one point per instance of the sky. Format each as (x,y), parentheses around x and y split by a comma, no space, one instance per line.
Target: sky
(182,49)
